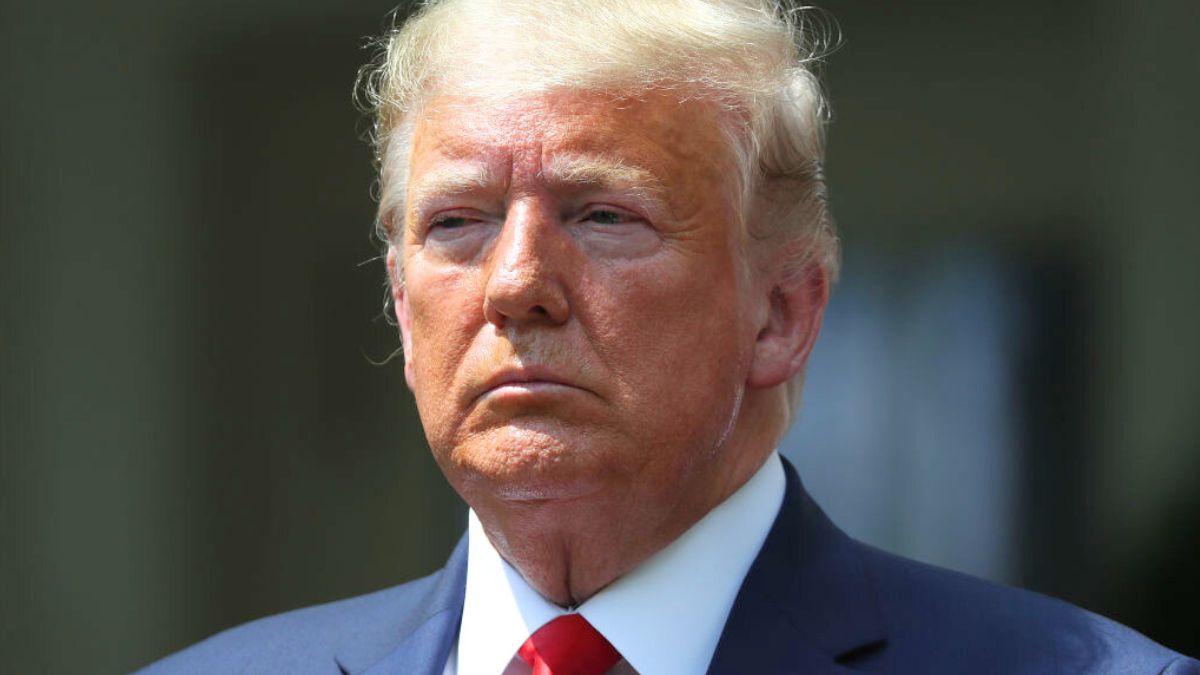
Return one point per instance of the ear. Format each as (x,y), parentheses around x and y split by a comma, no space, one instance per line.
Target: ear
(400,307)
(789,331)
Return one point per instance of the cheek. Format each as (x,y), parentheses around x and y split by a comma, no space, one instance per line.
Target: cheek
(677,337)
(445,314)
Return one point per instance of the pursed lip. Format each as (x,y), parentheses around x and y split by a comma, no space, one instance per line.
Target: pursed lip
(531,375)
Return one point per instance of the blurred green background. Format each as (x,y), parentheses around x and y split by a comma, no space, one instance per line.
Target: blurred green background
(192,433)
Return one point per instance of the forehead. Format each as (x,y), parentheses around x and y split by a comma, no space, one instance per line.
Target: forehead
(655,133)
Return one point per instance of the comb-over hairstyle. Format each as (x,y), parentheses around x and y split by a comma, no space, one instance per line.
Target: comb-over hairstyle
(752,59)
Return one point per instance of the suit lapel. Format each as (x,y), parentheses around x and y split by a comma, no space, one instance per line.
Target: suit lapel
(424,645)
(806,603)
(425,650)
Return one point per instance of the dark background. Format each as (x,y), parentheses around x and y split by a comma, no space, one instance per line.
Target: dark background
(193,433)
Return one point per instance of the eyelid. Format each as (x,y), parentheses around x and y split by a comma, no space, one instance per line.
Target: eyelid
(623,211)
(648,205)
(440,215)
(430,204)
(443,216)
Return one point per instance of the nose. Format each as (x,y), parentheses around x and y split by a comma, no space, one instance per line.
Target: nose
(524,281)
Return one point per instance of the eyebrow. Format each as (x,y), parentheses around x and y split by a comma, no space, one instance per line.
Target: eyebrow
(575,171)
(453,179)
(603,173)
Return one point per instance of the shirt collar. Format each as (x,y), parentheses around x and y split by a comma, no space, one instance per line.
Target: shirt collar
(665,616)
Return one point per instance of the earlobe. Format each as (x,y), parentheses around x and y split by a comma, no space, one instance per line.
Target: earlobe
(796,307)
(400,307)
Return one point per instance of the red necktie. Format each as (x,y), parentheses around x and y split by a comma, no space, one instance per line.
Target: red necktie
(568,645)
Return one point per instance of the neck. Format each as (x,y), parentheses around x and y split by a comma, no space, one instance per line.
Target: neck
(570,549)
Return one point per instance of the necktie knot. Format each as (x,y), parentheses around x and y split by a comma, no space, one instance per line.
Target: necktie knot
(568,645)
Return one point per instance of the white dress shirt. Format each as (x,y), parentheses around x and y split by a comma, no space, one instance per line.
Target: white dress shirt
(664,617)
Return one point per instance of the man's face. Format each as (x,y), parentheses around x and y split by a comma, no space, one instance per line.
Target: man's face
(576,309)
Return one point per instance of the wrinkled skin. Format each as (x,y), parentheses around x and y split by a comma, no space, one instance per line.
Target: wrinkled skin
(597,358)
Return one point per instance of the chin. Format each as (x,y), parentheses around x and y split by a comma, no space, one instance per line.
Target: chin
(530,462)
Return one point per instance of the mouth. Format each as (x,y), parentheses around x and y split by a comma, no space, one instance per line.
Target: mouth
(527,382)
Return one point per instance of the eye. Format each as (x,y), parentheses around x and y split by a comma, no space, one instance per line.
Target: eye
(612,232)
(452,224)
(460,230)
(606,216)
(447,222)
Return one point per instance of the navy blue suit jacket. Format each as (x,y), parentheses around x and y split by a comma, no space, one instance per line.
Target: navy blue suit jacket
(815,602)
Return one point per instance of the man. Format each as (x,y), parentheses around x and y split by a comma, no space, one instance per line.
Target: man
(609,254)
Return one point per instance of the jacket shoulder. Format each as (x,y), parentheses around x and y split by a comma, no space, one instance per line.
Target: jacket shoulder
(305,640)
(957,623)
